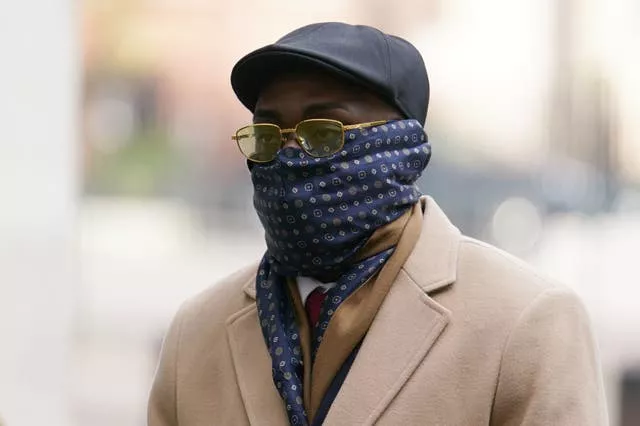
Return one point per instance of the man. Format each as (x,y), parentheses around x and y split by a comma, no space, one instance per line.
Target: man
(368,306)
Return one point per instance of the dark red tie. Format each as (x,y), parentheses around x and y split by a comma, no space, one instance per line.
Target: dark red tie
(314,304)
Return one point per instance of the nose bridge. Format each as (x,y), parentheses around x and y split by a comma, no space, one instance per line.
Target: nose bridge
(289,139)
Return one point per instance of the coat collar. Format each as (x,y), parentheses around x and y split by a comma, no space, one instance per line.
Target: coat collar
(433,263)
(438,243)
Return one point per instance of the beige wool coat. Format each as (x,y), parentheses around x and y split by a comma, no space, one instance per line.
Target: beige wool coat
(467,335)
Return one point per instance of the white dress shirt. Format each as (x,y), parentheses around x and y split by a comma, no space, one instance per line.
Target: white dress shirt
(307,284)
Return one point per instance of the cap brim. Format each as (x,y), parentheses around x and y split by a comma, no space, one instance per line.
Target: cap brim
(256,70)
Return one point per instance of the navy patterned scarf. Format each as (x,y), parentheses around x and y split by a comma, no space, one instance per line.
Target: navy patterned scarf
(317,214)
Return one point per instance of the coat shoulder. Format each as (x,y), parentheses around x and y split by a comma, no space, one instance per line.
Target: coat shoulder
(536,338)
(489,279)
(214,305)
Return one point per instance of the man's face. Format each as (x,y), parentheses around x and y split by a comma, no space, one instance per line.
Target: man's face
(296,97)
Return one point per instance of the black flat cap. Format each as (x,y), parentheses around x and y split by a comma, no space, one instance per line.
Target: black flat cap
(388,65)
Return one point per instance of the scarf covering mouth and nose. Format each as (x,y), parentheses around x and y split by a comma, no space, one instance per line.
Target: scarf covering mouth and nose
(318,214)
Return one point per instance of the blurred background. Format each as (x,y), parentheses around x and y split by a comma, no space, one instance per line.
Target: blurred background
(122,193)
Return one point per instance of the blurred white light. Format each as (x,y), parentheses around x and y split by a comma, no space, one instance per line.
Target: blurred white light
(516,225)
(488,63)
(628,202)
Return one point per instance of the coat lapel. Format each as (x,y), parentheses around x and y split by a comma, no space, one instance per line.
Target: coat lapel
(253,368)
(405,328)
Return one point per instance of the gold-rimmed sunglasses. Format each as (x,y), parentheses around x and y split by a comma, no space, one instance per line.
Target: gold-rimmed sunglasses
(321,137)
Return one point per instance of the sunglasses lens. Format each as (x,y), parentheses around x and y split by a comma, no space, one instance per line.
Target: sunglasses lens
(320,138)
(259,142)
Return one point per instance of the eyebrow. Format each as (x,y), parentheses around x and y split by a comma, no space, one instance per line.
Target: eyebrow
(261,115)
(316,109)
(312,110)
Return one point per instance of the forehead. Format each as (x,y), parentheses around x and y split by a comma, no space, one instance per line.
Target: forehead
(303,88)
